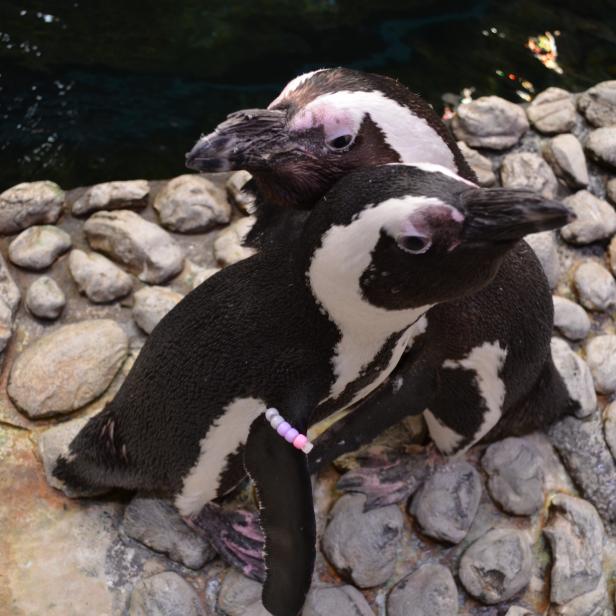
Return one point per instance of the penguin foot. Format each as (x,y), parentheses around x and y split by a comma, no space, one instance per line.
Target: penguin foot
(235,535)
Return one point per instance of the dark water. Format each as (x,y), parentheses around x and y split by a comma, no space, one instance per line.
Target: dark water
(117,89)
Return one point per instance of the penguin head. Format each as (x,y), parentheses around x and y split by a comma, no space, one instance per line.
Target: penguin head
(323,125)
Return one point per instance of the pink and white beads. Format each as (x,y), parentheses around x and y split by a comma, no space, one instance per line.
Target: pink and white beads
(288,432)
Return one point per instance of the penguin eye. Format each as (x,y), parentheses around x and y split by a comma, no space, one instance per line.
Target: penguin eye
(341,142)
(414,244)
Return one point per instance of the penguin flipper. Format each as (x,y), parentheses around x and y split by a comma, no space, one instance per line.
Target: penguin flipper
(284,492)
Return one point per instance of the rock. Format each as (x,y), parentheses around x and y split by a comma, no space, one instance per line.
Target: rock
(336,601)
(595,286)
(544,247)
(67,368)
(490,122)
(593,603)
(192,203)
(165,594)
(145,248)
(158,525)
(96,276)
(598,104)
(152,304)
(30,203)
(596,219)
(236,189)
(570,318)
(575,533)
(610,427)
(515,475)
(497,566)
(481,165)
(601,358)
(610,190)
(516,610)
(203,275)
(363,546)
(566,157)
(576,375)
(112,196)
(228,247)
(601,144)
(45,299)
(445,506)
(612,255)
(38,247)
(528,170)
(9,291)
(6,325)
(429,590)
(238,593)
(552,111)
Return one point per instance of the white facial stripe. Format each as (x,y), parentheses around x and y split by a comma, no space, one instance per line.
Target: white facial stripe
(293,85)
(224,436)
(432,168)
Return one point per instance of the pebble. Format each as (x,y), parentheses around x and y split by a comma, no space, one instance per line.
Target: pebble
(575,534)
(545,248)
(9,291)
(595,286)
(428,591)
(610,427)
(566,157)
(228,247)
(515,475)
(528,170)
(152,304)
(30,203)
(145,248)
(516,610)
(191,204)
(612,255)
(570,318)
(98,278)
(363,546)
(593,603)
(552,111)
(165,594)
(117,195)
(446,505)
(490,122)
(596,219)
(497,566)
(481,165)
(601,358)
(238,593)
(610,190)
(6,325)
(236,189)
(601,144)
(203,275)
(337,601)
(67,368)
(38,247)
(598,104)
(45,299)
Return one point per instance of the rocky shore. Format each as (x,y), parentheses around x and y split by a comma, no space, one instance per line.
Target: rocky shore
(526,526)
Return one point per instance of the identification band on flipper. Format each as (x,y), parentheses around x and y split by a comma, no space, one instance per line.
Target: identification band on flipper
(287,431)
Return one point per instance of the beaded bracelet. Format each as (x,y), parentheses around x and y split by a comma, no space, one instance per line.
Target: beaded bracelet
(288,432)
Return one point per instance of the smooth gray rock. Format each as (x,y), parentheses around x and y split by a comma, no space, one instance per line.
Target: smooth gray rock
(596,219)
(575,533)
(45,299)
(570,318)
(117,195)
(428,591)
(481,165)
(545,248)
(601,359)
(610,190)
(165,594)
(445,506)
(30,203)
(191,204)
(598,104)
(9,291)
(515,474)
(152,304)
(610,427)
(516,610)
(38,247)
(236,189)
(203,275)
(601,145)
(612,255)
(566,157)
(490,122)
(228,247)
(97,277)
(497,566)
(67,368)
(145,248)
(158,525)
(6,325)
(336,601)
(593,603)
(363,546)
(528,170)
(595,286)
(238,593)
(552,111)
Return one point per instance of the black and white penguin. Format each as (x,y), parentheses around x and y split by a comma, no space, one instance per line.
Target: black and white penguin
(307,326)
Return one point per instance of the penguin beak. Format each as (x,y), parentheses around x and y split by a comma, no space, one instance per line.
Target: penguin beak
(245,140)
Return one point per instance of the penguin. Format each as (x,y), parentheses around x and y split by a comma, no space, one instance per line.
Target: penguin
(307,327)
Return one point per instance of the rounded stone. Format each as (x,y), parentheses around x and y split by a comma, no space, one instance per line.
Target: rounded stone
(67,368)
(238,593)
(9,291)
(601,144)
(552,111)
(98,278)
(497,566)
(610,427)
(598,104)
(236,189)
(165,594)
(545,248)
(528,170)
(336,601)
(612,255)
(595,219)
(203,275)
(570,318)
(228,248)
(38,247)
(116,195)
(30,203)
(610,190)
(191,204)
(595,286)
(45,299)
(6,325)
(152,304)
(601,358)
(481,165)
(566,157)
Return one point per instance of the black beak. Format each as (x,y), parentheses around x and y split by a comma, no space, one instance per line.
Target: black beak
(245,140)
(502,215)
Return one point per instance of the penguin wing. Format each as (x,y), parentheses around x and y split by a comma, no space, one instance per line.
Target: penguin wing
(282,482)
